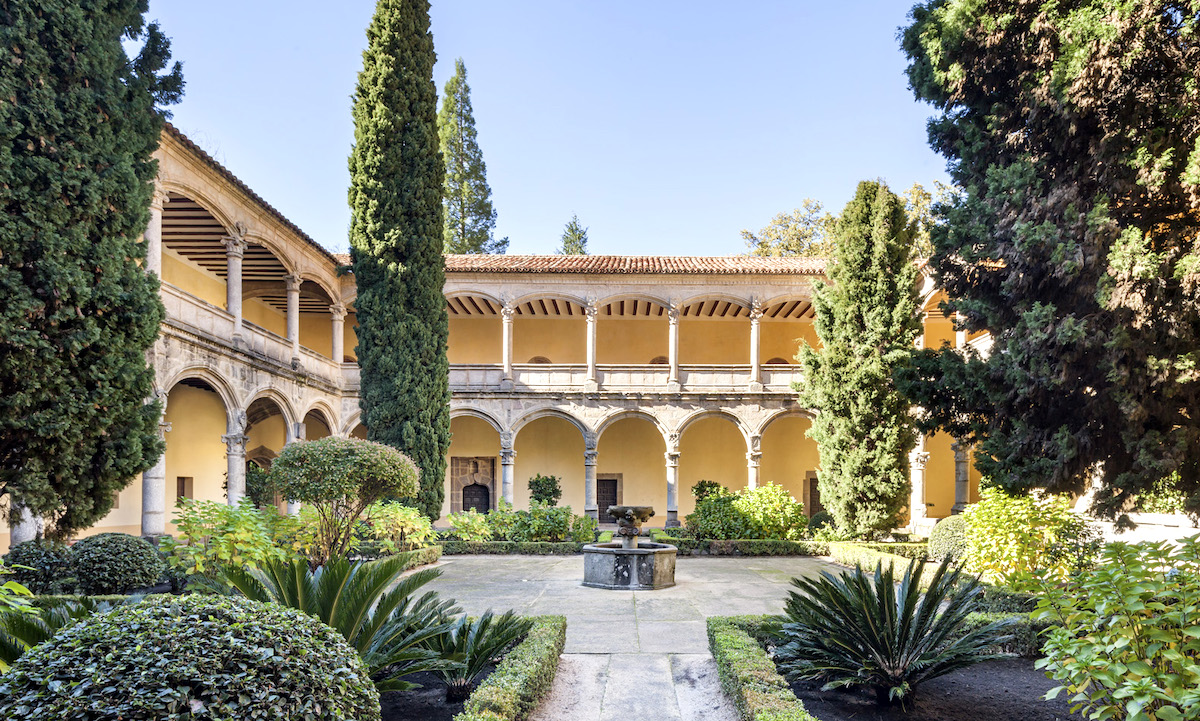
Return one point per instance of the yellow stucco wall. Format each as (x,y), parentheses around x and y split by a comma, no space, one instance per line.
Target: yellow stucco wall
(264,316)
(781,338)
(712,448)
(938,331)
(316,333)
(560,340)
(788,455)
(470,438)
(475,340)
(634,448)
(194,446)
(269,433)
(180,273)
(634,341)
(939,475)
(720,342)
(552,447)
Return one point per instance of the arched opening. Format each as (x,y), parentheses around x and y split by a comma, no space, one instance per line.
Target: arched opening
(785,324)
(316,426)
(477,497)
(790,459)
(359,431)
(550,446)
(631,331)
(475,330)
(631,455)
(539,360)
(195,455)
(711,448)
(473,460)
(714,332)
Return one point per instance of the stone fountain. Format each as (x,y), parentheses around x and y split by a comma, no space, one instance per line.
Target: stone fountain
(627,564)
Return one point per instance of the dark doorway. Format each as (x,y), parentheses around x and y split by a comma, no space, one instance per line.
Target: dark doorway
(606,495)
(814,496)
(477,497)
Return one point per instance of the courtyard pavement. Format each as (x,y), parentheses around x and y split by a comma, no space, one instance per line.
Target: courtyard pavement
(628,652)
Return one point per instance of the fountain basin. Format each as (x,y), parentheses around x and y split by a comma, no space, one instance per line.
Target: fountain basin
(644,567)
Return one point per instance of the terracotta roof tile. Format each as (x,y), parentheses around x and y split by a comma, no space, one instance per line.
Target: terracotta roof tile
(628,264)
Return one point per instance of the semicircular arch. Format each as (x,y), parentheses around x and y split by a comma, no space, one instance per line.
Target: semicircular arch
(785,413)
(484,416)
(222,388)
(716,413)
(611,418)
(279,399)
(538,413)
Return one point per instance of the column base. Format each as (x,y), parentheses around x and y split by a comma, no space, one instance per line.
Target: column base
(239,341)
(674,386)
(506,384)
(590,385)
(673,519)
(593,512)
(756,387)
(958,508)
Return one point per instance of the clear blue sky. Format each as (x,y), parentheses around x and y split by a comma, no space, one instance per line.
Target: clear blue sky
(668,126)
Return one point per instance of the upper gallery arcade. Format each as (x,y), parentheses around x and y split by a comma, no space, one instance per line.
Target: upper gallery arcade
(629,378)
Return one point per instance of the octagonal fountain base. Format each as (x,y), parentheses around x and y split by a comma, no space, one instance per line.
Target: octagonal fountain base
(644,567)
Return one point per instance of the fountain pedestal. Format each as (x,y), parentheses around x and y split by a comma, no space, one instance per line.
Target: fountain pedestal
(629,565)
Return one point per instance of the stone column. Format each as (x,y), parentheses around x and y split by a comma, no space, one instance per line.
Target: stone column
(23,525)
(753,459)
(154,489)
(508,457)
(235,458)
(672,457)
(960,333)
(153,234)
(673,383)
(337,314)
(293,315)
(962,478)
(506,322)
(593,379)
(916,503)
(590,507)
(298,432)
(235,250)
(756,314)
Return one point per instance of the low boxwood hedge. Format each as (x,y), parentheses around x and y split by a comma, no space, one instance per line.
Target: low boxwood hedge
(852,554)
(1028,635)
(530,548)
(905,550)
(523,677)
(423,557)
(748,675)
(740,547)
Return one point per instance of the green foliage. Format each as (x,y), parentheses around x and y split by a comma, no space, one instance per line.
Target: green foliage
(819,520)
(748,675)
(583,529)
(523,678)
(470,525)
(805,232)
(213,536)
(948,539)
(1024,635)
(20,632)
(191,657)
(1073,130)
(78,125)
(1010,536)
(1129,641)
(704,489)
(502,520)
(397,527)
(477,641)
(766,512)
(545,490)
(859,629)
(338,479)
(918,551)
(47,565)
(370,603)
(115,563)
(466,197)
(260,486)
(546,523)
(14,597)
(868,556)
(1163,497)
(866,323)
(574,238)
(396,243)
(506,548)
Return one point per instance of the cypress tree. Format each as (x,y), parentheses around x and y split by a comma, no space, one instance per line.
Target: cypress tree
(866,320)
(574,238)
(466,199)
(78,124)
(396,244)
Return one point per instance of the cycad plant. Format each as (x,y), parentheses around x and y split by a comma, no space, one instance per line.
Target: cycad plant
(20,632)
(863,629)
(477,642)
(369,604)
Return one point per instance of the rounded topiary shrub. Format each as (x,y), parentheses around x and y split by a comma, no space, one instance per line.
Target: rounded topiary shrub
(48,566)
(948,539)
(820,519)
(115,563)
(192,657)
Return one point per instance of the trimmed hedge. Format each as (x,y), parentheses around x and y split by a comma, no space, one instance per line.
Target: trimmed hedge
(861,554)
(423,557)
(50,562)
(115,563)
(906,550)
(523,677)
(748,675)
(531,548)
(740,547)
(1027,634)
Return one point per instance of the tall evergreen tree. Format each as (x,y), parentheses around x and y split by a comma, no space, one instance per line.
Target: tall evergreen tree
(1073,129)
(867,322)
(574,238)
(467,199)
(396,244)
(78,122)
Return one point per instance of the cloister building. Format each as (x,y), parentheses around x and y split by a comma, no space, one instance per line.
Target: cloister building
(628,378)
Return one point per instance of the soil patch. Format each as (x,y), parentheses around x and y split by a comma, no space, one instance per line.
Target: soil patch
(427,703)
(1001,690)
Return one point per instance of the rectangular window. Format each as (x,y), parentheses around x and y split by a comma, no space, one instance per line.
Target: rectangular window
(183,487)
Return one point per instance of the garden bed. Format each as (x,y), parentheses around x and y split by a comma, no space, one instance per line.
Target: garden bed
(427,703)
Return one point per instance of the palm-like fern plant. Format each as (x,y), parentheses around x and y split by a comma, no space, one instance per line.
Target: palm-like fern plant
(862,629)
(369,603)
(477,642)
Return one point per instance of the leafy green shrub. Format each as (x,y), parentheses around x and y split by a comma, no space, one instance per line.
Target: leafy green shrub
(583,529)
(748,676)
(1008,536)
(545,490)
(115,563)
(948,539)
(763,512)
(718,517)
(1164,497)
(1128,640)
(819,520)
(1024,635)
(860,629)
(476,642)
(215,535)
(918,551)
(1001,599)
(14,598)
(543,523)
(260,487)
(369,603)
(338,479)
(470,525)
(47,566)
(525,675)
(502,520)
(506,548)
(191,657)
(20,632)
(398,528)
(704,489)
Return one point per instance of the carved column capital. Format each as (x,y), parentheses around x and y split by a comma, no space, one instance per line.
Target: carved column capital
(507,312)
(918,459)
(235,443)
(590,457)
(673,442)
(756,310)
(159,198)
(591,310)
(673,313)
(338,311)
(672,458)
(293,282)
